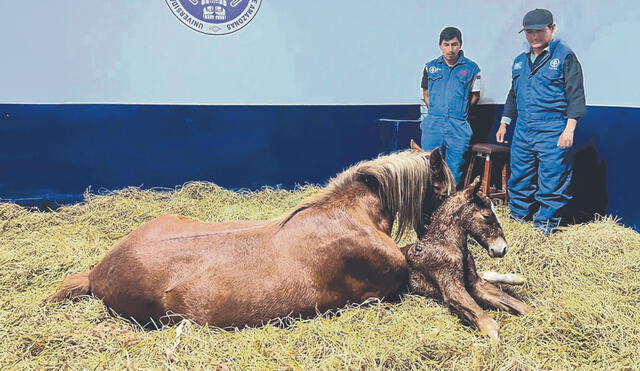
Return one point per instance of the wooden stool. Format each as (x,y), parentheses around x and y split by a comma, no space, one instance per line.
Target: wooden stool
(489,152)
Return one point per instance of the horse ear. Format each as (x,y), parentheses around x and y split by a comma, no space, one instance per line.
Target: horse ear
(473,188)
(435,160)
(415,147)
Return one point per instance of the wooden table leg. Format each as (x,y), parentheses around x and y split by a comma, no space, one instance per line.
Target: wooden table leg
(467,178)
(487,174)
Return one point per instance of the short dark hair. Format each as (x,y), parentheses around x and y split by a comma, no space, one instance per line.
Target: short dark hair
(450,33)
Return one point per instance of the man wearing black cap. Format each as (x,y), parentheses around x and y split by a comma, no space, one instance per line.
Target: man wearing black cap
(547,94)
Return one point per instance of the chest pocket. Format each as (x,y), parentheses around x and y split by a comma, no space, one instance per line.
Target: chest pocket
(552,77)
(434,77)
(464,79)
(461,88)
(434,83)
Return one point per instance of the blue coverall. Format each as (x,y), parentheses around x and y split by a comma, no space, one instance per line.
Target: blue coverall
(540,170)
(446,124)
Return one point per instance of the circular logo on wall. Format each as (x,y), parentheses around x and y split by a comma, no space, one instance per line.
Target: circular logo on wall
(215,17)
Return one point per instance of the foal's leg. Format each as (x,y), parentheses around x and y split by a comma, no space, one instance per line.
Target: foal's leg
(422,285)
(504,278)
(490,294)
(451,286)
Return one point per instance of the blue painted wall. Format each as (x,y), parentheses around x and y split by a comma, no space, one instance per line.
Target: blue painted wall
(54,152)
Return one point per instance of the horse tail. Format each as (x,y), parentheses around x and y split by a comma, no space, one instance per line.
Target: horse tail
(73,286)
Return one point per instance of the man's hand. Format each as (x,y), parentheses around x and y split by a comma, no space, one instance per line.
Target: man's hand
(566,138)
(501,132)
(474,98)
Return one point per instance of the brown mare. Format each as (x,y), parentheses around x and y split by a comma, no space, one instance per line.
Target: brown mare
(333,248)
(441,266)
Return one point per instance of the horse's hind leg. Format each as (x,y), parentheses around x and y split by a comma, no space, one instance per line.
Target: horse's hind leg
(455,295)
(72,287)
(490,294)
(420,284)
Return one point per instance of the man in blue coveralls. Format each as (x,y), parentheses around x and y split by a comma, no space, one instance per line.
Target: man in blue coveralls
(450,84)
(548,95)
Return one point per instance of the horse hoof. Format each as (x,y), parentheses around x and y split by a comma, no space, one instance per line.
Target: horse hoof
(527,309)
(490,328)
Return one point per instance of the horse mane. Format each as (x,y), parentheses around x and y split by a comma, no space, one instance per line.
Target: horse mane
(403,179)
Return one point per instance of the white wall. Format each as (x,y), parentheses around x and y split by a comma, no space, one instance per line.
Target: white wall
(294,52)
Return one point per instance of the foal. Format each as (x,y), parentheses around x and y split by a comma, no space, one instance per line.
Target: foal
(441,266)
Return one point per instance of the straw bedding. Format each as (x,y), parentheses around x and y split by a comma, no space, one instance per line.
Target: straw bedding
(583,282)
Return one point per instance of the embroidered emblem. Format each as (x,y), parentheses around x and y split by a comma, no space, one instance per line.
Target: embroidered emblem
(554,64)
(214,17)
(433,69)
(517,65)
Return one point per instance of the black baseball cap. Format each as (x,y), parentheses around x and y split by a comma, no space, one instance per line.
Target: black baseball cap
(537,19)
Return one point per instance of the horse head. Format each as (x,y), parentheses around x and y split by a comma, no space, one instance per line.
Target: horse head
(442,186)
(479,219)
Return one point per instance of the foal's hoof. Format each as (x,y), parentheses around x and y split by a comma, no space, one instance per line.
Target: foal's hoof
(490,328)
(526,309)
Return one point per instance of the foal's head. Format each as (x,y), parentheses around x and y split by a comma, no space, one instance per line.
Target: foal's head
(471,212)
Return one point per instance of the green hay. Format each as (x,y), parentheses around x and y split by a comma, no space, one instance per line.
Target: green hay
(584,283)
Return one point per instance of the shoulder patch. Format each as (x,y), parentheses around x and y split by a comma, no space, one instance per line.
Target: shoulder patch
(517,65)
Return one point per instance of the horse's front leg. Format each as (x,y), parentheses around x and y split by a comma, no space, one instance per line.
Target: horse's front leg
(490,294)
(454,294)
